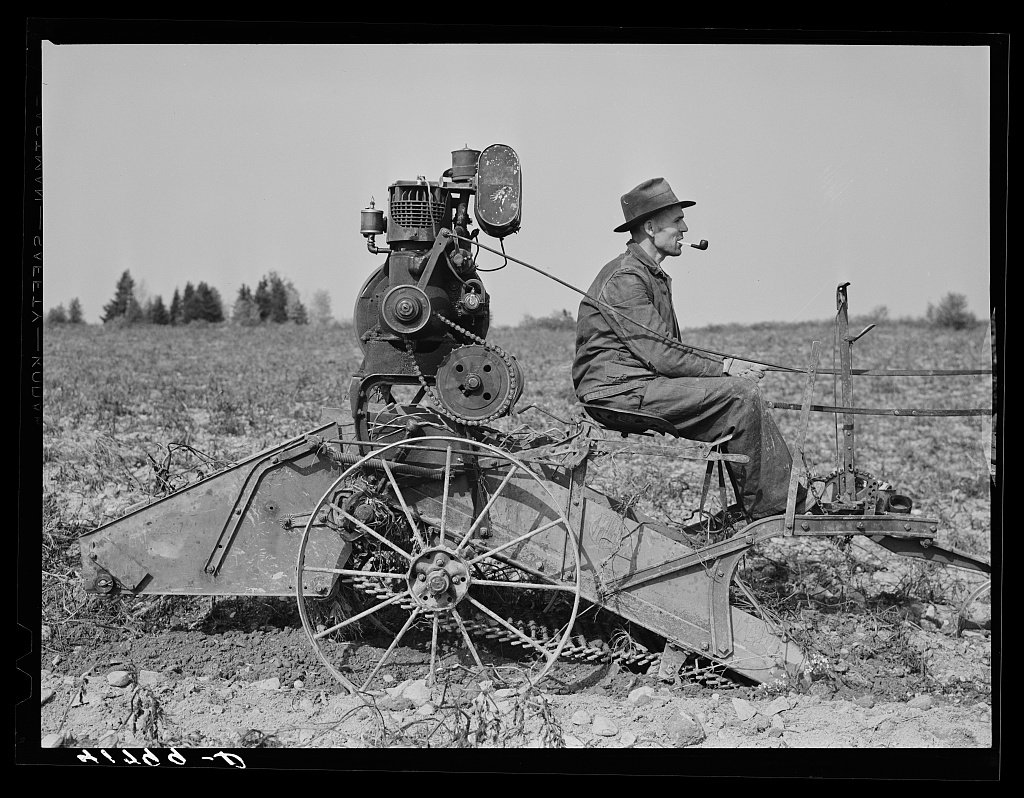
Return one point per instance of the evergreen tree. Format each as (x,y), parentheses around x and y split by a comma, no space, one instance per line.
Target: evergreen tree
(75,312)
(118,307)
(262,299)
(245,311)
(278,300)
(295,311)
(175,311)
(208,304)
(57,315)
(189,304)
(134,313)
(157,312)
(272,298)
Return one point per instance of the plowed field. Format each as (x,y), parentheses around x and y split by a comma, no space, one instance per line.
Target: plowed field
(886,666)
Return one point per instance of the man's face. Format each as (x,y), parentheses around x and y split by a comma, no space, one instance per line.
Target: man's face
(668,226)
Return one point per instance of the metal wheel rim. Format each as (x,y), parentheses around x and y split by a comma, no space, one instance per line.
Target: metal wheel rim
(963,616)
(551,655)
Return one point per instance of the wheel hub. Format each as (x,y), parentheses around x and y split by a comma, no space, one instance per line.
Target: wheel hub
(439,579)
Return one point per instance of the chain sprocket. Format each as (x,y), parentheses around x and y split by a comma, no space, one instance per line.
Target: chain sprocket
(473,381)
(514,380)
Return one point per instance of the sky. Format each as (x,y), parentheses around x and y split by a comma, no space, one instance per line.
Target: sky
(811,165)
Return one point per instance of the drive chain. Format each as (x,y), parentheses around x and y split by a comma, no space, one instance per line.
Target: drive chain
(577,647)
(439,402)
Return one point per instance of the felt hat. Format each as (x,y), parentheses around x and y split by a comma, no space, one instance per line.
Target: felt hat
(642,202)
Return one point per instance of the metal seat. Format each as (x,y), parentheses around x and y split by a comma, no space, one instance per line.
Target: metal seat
(629,422)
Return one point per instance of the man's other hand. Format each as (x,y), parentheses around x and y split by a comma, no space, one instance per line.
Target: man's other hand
(733,367)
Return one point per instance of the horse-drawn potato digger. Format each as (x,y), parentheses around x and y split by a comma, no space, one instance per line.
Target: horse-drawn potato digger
(412,517)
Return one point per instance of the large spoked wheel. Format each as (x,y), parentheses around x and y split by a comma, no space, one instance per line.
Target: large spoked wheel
(446,534)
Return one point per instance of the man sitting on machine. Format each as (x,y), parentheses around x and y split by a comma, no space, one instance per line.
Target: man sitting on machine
(634,360)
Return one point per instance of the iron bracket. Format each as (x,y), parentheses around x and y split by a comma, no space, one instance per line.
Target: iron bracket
(441,243)
(252,481)
(575,502)
(720,575)
(672,659)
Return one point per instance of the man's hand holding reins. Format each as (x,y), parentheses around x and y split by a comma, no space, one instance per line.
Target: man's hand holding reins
(734,367)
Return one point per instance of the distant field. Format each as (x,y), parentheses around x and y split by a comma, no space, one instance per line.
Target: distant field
(114,398)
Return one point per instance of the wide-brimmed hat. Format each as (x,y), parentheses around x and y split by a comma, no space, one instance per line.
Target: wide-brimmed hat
(642,202)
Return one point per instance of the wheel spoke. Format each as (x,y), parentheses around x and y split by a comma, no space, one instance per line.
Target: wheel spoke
(524,585)
(433,650)
(514,541)
(525,638)
(392,647)
(465,637)
(447,483)
(487,507)
(520,566)
(401,500)
(349,517)
(394,599)
(351,572)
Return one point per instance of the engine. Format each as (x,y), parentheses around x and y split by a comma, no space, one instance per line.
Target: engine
(422,316)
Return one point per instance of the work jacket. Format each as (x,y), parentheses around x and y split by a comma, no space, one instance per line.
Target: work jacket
(614,356)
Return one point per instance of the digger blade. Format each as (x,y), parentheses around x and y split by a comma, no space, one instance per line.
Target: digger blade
(236,532)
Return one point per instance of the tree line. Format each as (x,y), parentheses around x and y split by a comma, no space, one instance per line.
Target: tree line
(197,303)
(72,315)
(275,300)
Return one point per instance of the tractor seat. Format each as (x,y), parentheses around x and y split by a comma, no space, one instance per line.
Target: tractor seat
(629,422)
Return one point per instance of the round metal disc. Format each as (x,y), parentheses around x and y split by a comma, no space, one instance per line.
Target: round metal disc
(474,382)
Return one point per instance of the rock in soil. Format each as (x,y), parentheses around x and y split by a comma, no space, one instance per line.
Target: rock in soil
(417,692)
(395,703)
(684,730)
(780,704)
(641,696)
(604,727)
(119,678)
(921,702)
(744,709)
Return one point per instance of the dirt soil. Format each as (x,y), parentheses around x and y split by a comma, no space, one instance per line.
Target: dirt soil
(242,675)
